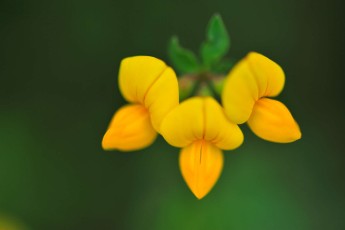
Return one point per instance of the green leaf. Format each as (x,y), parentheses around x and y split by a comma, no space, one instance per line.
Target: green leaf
(217,41)
(223,66)
(183,60)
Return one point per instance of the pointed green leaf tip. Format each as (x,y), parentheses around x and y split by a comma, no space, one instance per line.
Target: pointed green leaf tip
(183,60)
(217,41)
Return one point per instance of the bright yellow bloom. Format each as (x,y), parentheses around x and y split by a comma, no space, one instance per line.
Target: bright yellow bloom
(200,127)
(151,88)
(248,84)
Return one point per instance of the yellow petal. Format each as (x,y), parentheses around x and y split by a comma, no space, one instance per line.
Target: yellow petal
(148,81)
(269,75)
(162,97)
(201,164)
(184,124)
(130,129)
(272,121)
(218,129)
(239,93)
(255,76)
(137,74)
(200,118)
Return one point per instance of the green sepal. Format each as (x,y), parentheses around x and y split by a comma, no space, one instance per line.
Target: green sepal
(186,87)
(217,42)
(218,84)
(204,90)
(183,60)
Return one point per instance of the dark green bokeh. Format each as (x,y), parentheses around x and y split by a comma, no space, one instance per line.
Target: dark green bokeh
(59,90)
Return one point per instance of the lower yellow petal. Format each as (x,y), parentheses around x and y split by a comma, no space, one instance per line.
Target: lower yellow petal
(272,121)
(130,129)
(201,164)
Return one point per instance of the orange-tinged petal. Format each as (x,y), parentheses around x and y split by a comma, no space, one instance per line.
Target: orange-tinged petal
(201,164)
(255,76)
(130,129)
(200,118)
(272,121)
(162,97)
(137,74)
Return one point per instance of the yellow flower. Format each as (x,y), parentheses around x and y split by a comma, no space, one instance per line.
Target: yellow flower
(248,84)
(151,88)
(200,127)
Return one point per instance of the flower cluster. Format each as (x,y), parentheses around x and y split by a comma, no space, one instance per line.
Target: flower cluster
(200,125)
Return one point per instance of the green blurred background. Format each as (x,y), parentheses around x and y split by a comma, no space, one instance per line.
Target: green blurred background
(58,91)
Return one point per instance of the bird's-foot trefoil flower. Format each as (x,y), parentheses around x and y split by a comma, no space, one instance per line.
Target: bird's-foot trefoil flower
(200,127)
(244,98)
(151,89)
